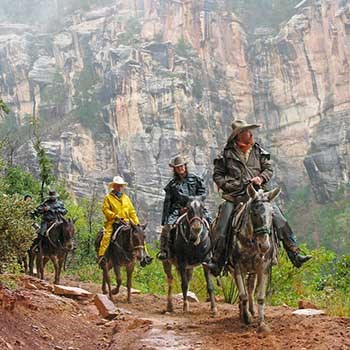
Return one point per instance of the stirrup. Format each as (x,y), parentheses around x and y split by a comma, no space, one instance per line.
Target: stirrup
(162,255)
(101,260)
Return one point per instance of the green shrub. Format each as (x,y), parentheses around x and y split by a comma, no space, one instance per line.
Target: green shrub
(15,229)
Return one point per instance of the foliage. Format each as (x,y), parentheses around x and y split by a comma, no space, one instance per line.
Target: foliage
(54,93)
(45,163)
(3,107)
(326,225)
(15,229)
(183,48)
(132,29)
(197,88)
(87,107)
(19,181)
(258,13)
(325,278)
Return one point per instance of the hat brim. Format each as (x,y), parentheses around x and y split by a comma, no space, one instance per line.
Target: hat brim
(237,131)
(177,165)
(117,183)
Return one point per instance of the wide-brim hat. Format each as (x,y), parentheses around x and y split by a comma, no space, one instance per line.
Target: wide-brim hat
(53,194)
(178,161)
(239,125)
(118,180)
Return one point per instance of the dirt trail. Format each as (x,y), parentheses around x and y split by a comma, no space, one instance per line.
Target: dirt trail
(43,321)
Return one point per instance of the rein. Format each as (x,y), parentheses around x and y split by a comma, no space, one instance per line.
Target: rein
(126,253)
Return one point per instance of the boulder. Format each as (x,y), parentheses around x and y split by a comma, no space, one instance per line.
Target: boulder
(105,306)
(308,312)
(71,291)
(191,297)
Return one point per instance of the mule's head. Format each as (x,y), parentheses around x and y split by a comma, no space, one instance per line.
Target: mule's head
(137,240)
(195,214)
(261,215)
(68,232)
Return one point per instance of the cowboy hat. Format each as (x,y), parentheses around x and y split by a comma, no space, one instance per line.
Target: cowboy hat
(118,180)
(239,125)
(178,161)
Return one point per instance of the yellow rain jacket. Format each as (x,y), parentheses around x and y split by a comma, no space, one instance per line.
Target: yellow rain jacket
(115,208)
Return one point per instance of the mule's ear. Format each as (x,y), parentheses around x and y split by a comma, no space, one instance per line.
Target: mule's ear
(273,194)
(74,219)
(144,226)
(251,191)
(202,197)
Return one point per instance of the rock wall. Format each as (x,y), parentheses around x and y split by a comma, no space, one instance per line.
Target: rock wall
(122,89)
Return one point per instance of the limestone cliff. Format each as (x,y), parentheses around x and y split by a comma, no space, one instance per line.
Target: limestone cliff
(123,88)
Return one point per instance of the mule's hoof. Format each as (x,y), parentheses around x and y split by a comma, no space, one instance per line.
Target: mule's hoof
(115,291)
(214,312)
(247,318)
(264,328)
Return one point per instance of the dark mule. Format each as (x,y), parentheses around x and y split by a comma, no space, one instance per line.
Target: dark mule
(253,251)
(54,247)
(190,247)
(127,246)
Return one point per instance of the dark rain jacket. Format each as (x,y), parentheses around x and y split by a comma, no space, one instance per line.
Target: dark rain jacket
(177,192)
(232,173)
(55,209)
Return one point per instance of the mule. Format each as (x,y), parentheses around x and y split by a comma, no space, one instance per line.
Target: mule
(253,250)
(190,247)
(126,247)
(54,246)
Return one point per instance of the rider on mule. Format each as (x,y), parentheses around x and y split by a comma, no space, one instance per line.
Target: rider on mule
(243,161)
(117,208)
(50,210)
(179,189)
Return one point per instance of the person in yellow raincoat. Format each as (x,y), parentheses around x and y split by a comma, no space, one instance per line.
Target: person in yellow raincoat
(116,206)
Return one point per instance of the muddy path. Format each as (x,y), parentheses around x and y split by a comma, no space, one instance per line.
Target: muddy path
(43,321)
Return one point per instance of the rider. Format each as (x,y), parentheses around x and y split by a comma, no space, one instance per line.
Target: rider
(242,162)
(179,189)
(117,208)
(51,210)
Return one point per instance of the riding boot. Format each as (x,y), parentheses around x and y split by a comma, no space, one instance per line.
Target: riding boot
(220,231)
(287,236)
(43,228)
(164,246)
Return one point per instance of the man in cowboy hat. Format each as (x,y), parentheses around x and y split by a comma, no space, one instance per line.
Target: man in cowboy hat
(50,210)
(243,161)
(179,189)
(117,206)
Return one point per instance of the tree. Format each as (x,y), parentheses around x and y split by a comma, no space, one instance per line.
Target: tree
(45,163)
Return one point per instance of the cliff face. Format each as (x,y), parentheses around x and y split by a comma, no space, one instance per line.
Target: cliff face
(122,89)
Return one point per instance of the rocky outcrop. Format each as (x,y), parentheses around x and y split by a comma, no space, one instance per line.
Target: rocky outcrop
(122,89)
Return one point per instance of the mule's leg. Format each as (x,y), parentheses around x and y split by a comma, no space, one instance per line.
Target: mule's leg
(167,269)
(107,280)
(118,276)
(243,298)
(184,287)
(251,282)
(129,271)
(263,277)
(40,266)
(55,264)
(31,256)
(210,290)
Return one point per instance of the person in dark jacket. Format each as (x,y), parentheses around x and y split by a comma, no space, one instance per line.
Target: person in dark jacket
(242,162)
(178,191)
(50,211)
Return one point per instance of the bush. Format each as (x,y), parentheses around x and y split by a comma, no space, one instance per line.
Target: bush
(15,229)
